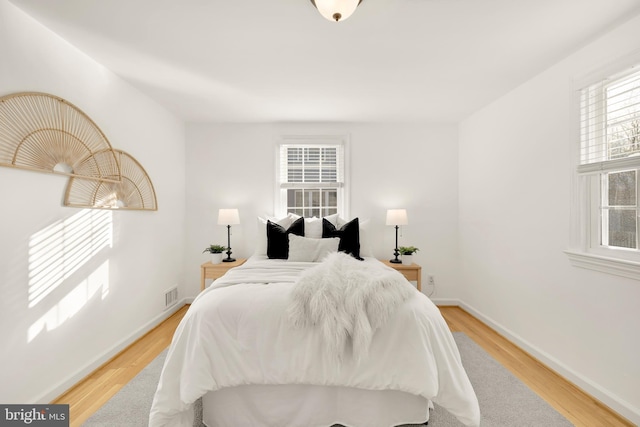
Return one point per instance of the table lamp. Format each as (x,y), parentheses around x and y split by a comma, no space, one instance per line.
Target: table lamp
(229,217)
(397,217)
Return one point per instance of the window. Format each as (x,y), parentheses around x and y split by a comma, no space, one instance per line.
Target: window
(311,176)
(609,166)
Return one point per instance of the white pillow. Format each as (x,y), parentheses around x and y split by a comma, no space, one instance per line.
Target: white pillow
(261,240)
(313,226)
(365,234)
(311,250)
(333,219)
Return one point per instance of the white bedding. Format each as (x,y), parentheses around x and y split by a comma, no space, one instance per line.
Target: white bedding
(237,332)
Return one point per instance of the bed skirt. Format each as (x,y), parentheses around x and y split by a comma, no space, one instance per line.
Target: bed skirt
(309,406)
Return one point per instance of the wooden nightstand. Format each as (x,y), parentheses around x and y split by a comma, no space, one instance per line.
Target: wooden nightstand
(213,271)
(412,272)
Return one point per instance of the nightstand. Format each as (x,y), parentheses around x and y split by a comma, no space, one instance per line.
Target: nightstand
(214,271)
(413,272)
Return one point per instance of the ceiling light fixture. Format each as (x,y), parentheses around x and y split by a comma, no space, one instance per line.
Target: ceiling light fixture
(336,10)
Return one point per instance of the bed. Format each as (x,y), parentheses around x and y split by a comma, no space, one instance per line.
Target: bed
(336,338)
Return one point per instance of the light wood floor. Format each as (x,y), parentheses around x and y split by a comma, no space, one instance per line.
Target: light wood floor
(579,408)
(90,394)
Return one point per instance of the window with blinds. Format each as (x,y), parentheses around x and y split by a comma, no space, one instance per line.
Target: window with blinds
(610,157)
(311,178)
(610,123)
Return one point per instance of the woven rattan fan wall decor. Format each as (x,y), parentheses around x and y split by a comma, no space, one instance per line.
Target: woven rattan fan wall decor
(134,191)
(45,133)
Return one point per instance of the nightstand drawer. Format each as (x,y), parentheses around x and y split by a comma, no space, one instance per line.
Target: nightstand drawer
(215,271)
(412,272)
(411,275)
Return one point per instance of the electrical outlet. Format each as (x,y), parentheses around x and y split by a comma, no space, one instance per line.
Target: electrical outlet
(431,280)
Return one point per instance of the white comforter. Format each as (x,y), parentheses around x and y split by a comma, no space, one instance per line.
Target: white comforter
(237,332)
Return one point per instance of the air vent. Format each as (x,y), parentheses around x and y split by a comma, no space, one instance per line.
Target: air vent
(171,297)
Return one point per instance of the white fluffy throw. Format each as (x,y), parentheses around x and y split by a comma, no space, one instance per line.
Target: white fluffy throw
(347,300)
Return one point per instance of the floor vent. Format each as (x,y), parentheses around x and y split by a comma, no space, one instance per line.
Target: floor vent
(171,297)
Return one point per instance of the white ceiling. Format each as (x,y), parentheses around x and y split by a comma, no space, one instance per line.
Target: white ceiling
(279,60)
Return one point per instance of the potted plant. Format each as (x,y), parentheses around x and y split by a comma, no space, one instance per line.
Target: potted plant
(407,254)
(216,253)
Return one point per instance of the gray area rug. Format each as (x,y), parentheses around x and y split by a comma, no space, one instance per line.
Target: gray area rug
(504,400)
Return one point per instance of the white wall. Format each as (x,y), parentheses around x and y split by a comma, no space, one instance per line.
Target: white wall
(114,292)
(391,166)
(515,177)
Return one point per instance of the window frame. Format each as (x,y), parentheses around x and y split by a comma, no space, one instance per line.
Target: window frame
(280,198)
(585,250)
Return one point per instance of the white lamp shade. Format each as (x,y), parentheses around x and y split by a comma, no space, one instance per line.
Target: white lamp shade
(397,217)
(329,8)
(228,217)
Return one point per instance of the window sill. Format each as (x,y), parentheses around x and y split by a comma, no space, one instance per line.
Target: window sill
(618,267)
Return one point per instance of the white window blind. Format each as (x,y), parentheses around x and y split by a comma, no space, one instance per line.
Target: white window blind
(311,166)
(610,123)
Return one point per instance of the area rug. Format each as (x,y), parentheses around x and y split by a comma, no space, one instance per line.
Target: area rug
(504,400)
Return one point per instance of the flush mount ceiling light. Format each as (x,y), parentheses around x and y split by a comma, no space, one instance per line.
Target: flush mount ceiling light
(336,10)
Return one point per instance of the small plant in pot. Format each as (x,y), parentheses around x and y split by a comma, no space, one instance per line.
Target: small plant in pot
(407,253)
(216,253)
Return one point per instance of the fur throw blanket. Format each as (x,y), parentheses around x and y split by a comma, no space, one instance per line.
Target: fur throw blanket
(347,300)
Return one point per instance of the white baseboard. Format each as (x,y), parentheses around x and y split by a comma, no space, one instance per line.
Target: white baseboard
(65,385)
(446,301)
(622,407)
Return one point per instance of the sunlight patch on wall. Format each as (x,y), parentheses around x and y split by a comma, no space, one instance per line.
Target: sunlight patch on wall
(59,250)
(72,303)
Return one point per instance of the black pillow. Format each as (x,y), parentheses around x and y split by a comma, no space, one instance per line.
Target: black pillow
(278,238)
(349,235)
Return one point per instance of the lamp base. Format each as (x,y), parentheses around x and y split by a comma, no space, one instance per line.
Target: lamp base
(228,260)
(395,261)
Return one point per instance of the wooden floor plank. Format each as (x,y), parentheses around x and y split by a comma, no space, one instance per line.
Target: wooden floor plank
(578,407)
